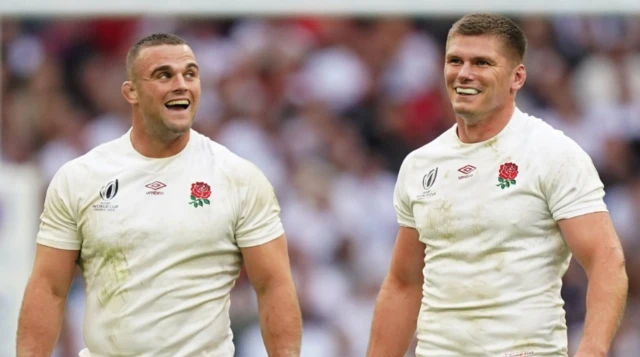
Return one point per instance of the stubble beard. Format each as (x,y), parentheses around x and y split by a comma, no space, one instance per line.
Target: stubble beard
(163,130)
(469,117)
(470,120)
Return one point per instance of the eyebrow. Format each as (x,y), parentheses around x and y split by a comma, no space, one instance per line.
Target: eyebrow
(474,58)
(483,58)
(166,67)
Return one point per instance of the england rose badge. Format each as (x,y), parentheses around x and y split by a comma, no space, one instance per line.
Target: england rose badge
(200,193)
(507,175)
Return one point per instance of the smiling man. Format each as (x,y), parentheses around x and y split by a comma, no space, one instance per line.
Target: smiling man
(490,214)
(160,221)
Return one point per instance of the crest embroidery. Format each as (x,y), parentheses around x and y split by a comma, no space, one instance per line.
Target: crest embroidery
(200,193)
(507,175)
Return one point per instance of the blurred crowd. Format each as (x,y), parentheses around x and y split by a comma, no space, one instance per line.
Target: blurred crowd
(328,108)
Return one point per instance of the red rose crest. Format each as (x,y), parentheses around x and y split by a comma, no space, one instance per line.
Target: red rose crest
(200,193)
(507,175)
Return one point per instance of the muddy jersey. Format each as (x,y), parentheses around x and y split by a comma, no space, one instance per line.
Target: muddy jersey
(487,213)
(159,243)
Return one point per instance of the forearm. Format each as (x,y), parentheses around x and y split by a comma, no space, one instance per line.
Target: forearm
(394,320)
(606,297)
(40,322)
(280,320)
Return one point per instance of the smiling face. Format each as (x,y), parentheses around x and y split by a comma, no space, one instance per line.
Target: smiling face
(164,89)
(481,75)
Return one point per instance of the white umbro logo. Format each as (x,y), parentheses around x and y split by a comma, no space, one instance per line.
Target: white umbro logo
(155,186)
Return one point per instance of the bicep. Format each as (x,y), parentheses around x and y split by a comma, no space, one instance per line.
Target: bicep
(53,269)
(267,264)
(408,258)
(589,236)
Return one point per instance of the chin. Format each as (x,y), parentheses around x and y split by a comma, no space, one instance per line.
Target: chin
(179,126)
(470,120)
(180,129)
(464,109)
(469,115)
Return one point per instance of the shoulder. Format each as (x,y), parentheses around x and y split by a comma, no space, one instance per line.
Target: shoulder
(429,154)
(547,139)
(436,146)
(83,170)
(90,161)
(555,154)
(442,143)
(226,160)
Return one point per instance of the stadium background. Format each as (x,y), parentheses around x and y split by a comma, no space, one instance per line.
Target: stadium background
(327,107)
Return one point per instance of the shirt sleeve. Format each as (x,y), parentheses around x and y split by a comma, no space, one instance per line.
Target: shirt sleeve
(259,211)
(58,223)
(401,200)
(573,187)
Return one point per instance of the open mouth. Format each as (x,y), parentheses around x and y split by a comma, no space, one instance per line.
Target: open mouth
(180,104)
(467,91)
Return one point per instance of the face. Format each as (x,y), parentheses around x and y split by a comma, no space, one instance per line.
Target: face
(481,77)
(165,90)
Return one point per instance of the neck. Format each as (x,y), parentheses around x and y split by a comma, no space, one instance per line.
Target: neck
(156,146)
(482,129)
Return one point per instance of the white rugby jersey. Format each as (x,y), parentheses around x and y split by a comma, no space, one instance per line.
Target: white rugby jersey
(159,243)
(495,256)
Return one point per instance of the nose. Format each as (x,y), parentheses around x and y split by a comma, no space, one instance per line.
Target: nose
(465,74)
(179,83)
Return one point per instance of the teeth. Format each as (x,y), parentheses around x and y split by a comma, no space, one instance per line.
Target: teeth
(467,91)
(178,102)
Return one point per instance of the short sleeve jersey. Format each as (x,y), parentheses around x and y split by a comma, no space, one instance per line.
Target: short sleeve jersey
(159,243)
(487,213)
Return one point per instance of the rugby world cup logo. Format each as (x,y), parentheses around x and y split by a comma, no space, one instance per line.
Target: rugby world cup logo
(109,191)
(429,179)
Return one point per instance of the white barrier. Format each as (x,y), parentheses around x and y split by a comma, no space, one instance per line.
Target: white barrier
(280,7)
(20,205)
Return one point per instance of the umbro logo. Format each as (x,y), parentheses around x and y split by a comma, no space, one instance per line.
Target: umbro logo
(466,170)
(155,186)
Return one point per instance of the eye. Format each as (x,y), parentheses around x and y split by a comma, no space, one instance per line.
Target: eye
(164,75)
(191,74)
(455,61)
(482,63)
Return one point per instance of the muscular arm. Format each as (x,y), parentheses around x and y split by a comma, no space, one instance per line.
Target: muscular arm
(595,244)
(44,299)
(268,270)
(396,312)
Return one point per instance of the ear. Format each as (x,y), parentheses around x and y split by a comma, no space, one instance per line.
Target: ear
(129,92)
(519,77)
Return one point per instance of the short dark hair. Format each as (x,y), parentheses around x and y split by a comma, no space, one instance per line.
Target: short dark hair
(155,39)
(494,25)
